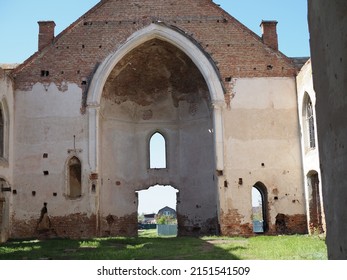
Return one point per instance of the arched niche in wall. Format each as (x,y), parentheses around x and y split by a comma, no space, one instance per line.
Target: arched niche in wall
(74,178)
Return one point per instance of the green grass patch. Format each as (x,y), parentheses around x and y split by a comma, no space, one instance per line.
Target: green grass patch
(150,247)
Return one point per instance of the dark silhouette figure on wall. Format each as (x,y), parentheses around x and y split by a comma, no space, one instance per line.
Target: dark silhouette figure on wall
(44,223)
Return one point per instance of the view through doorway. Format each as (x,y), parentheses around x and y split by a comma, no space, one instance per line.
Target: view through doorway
(258,208)
(158,206)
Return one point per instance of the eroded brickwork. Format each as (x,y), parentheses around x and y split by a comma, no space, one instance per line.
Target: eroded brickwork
(76,52)
(231,224)
(290,224)
(111,225)
(74,225)
(71,226)
(187,227)
(284,224)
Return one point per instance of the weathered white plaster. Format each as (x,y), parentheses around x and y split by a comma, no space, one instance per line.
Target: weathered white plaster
(310,156)
(262,144)
(6,161)
(46,122)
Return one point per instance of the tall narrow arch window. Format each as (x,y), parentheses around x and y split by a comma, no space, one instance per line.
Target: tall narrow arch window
(2,133)
(157,151)
(310,123)
(4,130)
(74,178)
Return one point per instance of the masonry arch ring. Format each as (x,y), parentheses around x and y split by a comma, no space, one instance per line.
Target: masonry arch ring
(182,42)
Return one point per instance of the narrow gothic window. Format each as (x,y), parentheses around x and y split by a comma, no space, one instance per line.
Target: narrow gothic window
(310,124)
(157,151)
(2,134)
(74,178)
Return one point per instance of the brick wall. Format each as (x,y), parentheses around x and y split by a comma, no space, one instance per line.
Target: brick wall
(71,226)
(77,51)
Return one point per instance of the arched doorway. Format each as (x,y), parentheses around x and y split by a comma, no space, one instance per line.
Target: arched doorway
(315,205)
(159,81)
(259,208)
(4,210)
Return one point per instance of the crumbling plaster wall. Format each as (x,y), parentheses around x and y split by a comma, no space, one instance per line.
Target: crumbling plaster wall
(6,162)
(310,156)
(49,126)
(172,98)
(190,167)
(262,145)
(7,100)
(51,93)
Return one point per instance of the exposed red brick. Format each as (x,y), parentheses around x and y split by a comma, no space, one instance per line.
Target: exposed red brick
(77,51)
(187,227)
(71,226)
(112,225)
(231,224)
(290,224)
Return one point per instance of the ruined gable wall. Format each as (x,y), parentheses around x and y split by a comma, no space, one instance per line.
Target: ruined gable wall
(76,52)
(51,89)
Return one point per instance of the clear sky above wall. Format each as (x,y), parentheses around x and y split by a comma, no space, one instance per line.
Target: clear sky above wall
(19,28)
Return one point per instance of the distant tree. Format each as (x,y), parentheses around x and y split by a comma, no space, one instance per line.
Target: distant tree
(166,220)
(140,217)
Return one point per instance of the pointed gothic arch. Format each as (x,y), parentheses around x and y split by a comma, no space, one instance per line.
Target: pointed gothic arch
(4,129)
(73,178)
(186,44)
(157,150)
(308,122)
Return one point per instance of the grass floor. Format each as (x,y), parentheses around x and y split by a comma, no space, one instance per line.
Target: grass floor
(150,247)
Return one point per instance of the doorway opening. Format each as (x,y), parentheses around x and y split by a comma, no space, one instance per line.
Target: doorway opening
(315,206)
(259,202)
(157,211)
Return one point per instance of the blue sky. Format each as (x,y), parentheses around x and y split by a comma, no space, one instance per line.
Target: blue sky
(19,28)
(19,33)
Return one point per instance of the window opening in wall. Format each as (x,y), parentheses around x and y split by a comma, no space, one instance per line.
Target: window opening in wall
(157,211)
(2,134)
(157,151)
(259,208)
(44,73)
(1,207)
(74,178)
(315,208)
(310,122)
